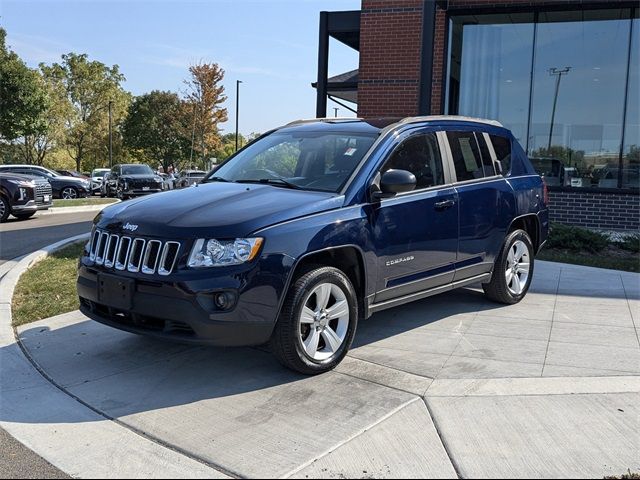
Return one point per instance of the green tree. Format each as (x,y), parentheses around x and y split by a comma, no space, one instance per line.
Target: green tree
(23,99)
(157,126)
(89,86)
(204,99)
(38,144)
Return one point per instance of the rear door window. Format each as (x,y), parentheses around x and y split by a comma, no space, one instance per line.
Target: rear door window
(487,160)
(466,155)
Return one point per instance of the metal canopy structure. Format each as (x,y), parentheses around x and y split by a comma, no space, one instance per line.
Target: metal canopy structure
(344,27)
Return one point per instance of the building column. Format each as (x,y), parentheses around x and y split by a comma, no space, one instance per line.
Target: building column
(426,62)
(323,66)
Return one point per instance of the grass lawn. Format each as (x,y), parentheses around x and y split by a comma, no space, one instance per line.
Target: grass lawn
(612,257)
(48,288)
(82,202)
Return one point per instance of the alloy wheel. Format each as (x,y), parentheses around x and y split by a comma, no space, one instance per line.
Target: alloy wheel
(3,209)
(324,321)
(518,265)
(69,193)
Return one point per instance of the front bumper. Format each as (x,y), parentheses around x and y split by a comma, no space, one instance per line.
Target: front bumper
(182,308)
(140,192)
(28,207)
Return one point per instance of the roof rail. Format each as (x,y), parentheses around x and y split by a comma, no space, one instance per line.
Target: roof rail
(459,118)
(324,119)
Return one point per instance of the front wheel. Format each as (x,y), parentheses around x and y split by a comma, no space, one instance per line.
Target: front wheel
(69,193)
(4,209)
(317,323)
(513,270)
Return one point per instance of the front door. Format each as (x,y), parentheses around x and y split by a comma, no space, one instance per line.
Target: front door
(416,233)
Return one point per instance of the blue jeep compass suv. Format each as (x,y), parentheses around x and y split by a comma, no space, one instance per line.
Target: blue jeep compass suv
(316,225)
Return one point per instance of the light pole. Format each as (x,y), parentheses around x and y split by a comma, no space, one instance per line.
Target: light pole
(238,82)
(558,73)
(110,136)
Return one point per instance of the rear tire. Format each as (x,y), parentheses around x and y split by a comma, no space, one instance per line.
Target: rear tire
(317,323)
(513,270)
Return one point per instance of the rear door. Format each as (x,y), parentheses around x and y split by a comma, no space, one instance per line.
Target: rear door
(415,233)
(485,200)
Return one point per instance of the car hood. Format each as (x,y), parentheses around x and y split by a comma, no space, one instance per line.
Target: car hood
(63,178)
(17,176)
(214,210)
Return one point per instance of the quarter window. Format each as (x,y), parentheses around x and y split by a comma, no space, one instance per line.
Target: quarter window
(466,155)
(420,155)
(502,147)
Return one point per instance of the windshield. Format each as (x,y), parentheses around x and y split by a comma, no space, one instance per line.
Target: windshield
(137,170)
(307,160)
(99,172)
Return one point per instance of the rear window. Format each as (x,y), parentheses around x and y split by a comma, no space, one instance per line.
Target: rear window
(502,147)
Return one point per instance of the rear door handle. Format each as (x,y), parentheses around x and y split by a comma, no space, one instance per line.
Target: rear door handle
(444,205)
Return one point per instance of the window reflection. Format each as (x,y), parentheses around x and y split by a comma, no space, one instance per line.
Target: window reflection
(580,65)
(569,110)
(630,175)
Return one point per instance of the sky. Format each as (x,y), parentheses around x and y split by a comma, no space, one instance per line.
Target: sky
(271,46)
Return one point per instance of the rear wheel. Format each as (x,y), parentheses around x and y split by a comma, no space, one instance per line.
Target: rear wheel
(4,209)
(513,269)
(317,323)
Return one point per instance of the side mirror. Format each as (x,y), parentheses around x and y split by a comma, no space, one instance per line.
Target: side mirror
(394,181)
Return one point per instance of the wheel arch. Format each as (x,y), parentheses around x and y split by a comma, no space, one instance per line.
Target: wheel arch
(349,259)
(530,223)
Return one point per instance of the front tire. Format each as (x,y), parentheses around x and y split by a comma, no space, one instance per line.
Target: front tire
(317,323)
(513,270)
(69,193)
(4,209)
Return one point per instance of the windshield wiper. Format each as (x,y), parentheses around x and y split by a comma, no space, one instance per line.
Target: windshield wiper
(279,182)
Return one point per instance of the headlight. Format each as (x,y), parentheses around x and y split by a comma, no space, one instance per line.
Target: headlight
(220,253)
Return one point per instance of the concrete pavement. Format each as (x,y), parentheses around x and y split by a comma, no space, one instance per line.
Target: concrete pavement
(449,386)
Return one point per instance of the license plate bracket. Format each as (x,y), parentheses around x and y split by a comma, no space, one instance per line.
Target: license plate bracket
(115,291)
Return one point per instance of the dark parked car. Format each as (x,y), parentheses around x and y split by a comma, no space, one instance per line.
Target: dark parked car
(315,226)
(22,196)
(188,178)
(72,173)
(63,187)
(126,181)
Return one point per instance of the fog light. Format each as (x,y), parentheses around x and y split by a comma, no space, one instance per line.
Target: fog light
(224,300)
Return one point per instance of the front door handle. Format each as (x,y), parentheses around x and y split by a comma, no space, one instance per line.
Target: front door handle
(444,205)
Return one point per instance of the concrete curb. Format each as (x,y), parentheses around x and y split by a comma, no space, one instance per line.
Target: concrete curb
(82,209)
(85,444)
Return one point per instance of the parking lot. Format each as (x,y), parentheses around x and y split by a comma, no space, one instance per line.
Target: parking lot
(448,386)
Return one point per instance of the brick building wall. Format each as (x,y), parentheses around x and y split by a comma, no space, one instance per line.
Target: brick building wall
(607,211)
(390,54)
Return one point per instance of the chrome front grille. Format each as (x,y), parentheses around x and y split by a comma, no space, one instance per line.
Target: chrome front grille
(42,189)
(133,254)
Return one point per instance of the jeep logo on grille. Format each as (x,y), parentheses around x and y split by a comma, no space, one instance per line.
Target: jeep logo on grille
(130,226)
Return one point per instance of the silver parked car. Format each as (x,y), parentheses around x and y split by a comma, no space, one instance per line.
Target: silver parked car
(187,178)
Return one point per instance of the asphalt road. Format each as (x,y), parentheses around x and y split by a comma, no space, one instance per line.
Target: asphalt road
(19,238)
